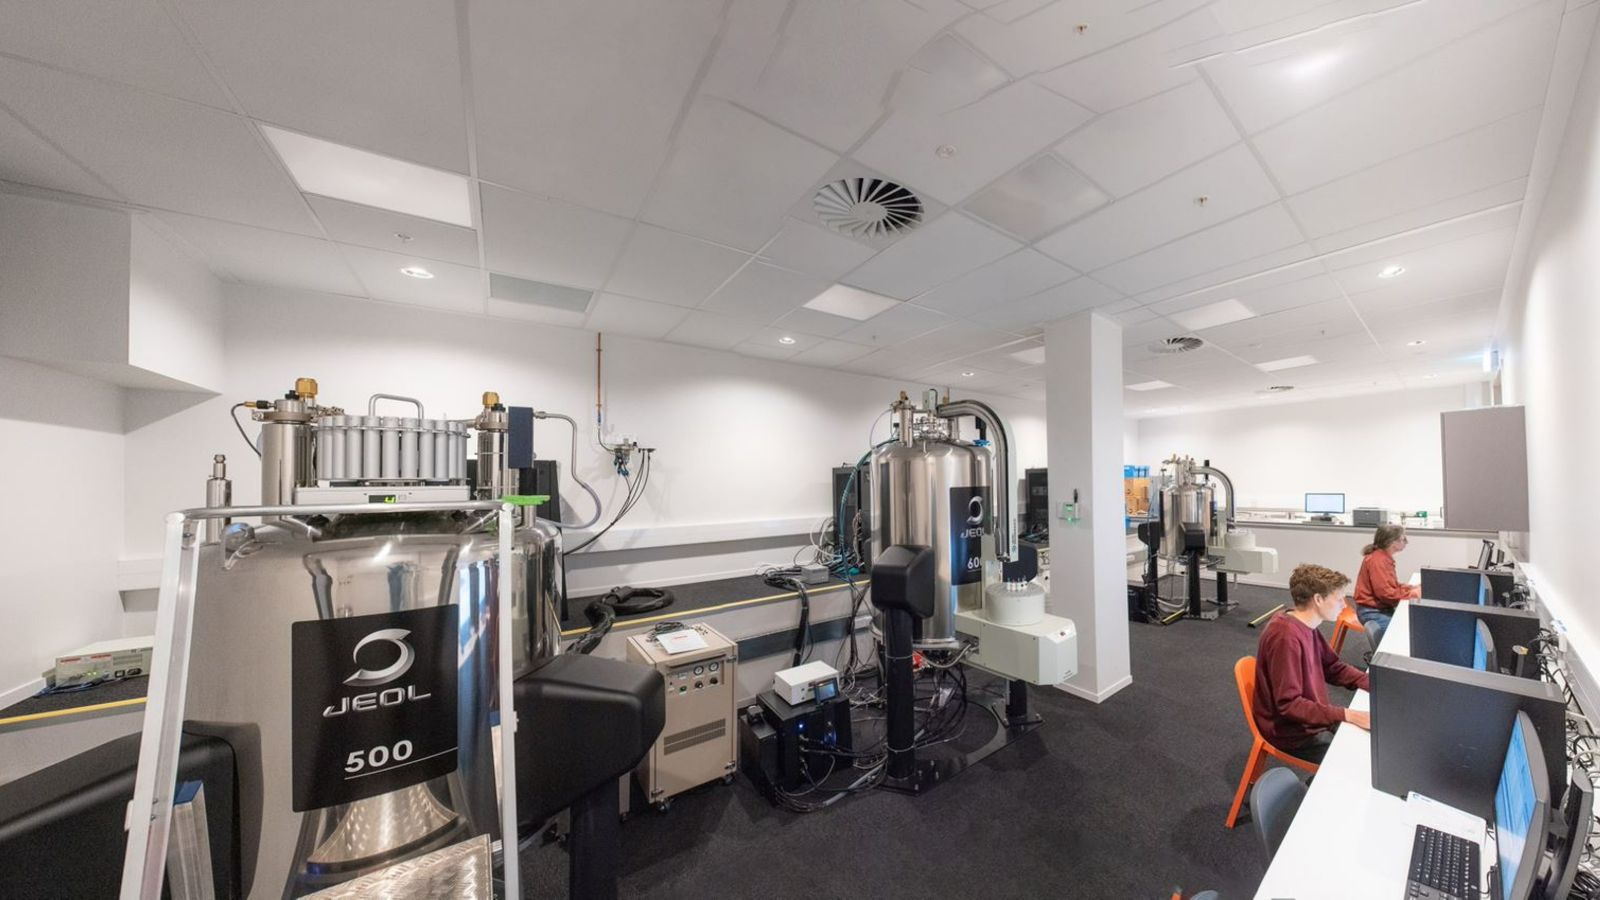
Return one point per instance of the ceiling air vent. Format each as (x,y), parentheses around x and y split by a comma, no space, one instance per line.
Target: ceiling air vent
(1279,389)
(1177,345)
(868,207)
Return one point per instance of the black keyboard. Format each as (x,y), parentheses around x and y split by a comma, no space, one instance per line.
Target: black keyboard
(1443,867)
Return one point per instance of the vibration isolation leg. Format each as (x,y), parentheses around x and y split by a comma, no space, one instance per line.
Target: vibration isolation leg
(905,773)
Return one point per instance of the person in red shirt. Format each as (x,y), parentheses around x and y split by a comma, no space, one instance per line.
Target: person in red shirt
(1378,588)
(1295,665)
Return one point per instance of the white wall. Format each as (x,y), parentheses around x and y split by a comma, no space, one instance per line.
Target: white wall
(1379,450)
(742,442)
(1552,313)
(61,476)
(174,312)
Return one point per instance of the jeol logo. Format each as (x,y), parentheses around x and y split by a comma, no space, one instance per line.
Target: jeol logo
(374,677)
(975,511)
(371,678)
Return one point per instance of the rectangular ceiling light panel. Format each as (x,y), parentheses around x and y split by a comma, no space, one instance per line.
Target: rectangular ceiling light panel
(1149,386)
(345,173)
(852,303)
(1212,314)
(1292,362)
(538,293)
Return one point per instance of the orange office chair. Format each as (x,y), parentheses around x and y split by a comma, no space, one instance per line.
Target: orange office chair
(1244,672)
(1347,623)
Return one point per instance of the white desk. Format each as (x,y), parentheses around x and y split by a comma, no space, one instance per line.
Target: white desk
(1347,839)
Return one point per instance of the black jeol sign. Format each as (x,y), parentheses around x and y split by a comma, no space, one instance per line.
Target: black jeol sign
(969,511)
(373,704)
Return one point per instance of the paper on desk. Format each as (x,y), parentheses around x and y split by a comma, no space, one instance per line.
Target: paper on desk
(1444,817)
(681,641)
(1416,578)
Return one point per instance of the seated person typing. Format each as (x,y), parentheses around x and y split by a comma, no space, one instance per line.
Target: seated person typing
(1378,588)
(1295,665)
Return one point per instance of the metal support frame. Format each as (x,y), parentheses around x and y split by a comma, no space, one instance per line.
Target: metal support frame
(149,819)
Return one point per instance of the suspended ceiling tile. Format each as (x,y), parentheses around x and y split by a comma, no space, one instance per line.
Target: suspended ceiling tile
(333,70)
(1232,183)
(1132,147)
(821,324)
(807,248)
(988,138)
(1249,236)
(27,158)
(452,287)
(702,328)
(1051,37)
(1037,198)
(1481,159)
(732,177)
(1050,305)
(822,69)
(259,256)
(1021,274)
(939,251)
(131,41)
(672,268)
(366,226)
(1494,73)
(1132,71)
(896,326)
(764,292)
(832,353)
(615,314)
(1268,85)
(548,240)
(158,152)
(577,99)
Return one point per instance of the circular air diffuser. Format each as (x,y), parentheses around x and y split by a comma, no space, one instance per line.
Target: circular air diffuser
(1177,345)
(867,207)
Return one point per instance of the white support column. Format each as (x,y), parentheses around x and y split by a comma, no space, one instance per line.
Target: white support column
(1088,558)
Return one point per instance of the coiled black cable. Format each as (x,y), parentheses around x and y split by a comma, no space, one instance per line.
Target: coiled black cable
(620,601)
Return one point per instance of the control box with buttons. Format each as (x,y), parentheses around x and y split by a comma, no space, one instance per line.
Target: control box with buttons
(700,740)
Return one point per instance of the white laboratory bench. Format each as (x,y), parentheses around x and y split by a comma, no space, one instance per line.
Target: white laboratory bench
(1349,839)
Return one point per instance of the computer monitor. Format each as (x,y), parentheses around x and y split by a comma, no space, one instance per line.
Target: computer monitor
(1521,811)
(1567,844)
(1325,504)
(1483,655)
(1454,585)
(1486,555)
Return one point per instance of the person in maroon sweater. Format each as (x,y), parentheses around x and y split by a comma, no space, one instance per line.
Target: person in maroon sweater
(1295,665)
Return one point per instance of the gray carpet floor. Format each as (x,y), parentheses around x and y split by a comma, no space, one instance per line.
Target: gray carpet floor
(1125,799)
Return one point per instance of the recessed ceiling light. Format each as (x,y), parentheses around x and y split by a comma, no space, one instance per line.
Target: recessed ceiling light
(1418,343)
(786,340)
(945,151)
(1149,386)
(1291,362)
(1391,271)
(968,374)
(346,173)
(852,303)
(1211,315)
(416,272)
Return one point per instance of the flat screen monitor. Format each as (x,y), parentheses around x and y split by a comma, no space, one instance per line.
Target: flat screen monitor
(1486,555)
(1483,655)
(1572,836)
(1521,808)
(1454,585)
(1325,503)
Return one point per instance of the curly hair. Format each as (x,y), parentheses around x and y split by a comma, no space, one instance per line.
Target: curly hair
(1310,580)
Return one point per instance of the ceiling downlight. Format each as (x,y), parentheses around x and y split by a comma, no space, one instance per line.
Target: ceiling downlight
(865,207)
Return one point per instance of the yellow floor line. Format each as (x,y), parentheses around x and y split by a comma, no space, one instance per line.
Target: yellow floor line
(74,711)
